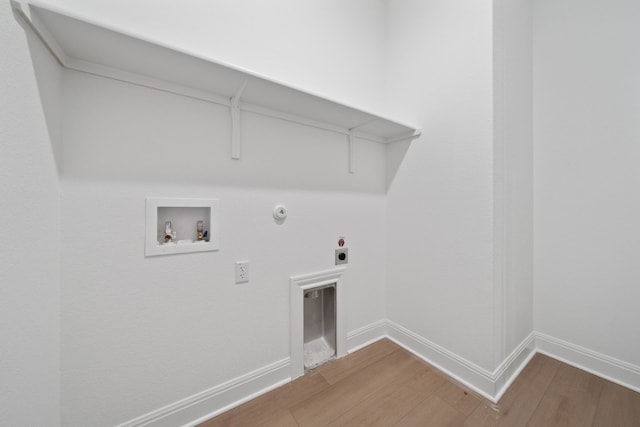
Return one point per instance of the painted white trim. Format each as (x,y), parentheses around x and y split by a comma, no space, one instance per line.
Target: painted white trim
(205,405)
(493,385)
(506,373)
(607,367)
(202,406)
(299,284)
(366,335)
(471,375)
(208,403)
(490,385)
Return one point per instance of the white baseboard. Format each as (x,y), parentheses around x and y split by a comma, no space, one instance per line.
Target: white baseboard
(460,369)
(512,365)
(490,385)
(609,368)
(366,335)
(199,407)
(195,409)
(202,406)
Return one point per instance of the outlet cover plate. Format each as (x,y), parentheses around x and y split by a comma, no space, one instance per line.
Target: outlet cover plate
(242,271)
(342,256)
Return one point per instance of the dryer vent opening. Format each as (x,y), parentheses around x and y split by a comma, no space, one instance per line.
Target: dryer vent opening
(319,343)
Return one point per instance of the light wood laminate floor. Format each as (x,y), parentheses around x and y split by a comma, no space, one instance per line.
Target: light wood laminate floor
(384,385)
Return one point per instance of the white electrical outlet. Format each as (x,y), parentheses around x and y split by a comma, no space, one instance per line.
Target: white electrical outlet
(242,271)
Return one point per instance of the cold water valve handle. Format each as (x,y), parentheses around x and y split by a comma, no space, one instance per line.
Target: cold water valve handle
(200,229)
(169,234)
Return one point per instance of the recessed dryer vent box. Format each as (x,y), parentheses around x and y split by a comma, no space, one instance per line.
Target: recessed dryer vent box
(183,235)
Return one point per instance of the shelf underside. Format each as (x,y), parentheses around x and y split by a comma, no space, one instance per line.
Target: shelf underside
(89,47)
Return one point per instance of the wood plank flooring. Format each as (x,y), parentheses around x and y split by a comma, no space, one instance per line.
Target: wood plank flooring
(384,385)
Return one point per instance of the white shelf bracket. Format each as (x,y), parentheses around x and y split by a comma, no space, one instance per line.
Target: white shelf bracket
(235,122)
(352,151)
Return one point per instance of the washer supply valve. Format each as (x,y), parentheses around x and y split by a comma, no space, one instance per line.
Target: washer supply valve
(200,229)
(169,234)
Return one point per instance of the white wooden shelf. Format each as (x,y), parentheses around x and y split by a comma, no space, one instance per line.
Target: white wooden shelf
(85,45)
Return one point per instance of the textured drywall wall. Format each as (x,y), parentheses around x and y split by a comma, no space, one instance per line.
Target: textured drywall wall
(440,221)
(140,333)
(587,152)
(29,217)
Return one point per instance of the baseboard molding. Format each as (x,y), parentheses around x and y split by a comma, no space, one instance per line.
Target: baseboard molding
(513,364)
(609,368)
(207,404)
(460,369)
(490,385)
(366,335)
(199,407)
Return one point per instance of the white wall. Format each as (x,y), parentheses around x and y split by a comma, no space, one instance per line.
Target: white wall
(440,219)
(140,333)
(29,214)
(587,152)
